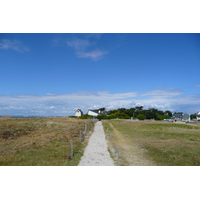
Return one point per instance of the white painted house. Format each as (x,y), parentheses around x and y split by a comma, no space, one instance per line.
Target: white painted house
(186,117)
(78,113)
(96,112)
(198,116)
(181,116)
(93,112)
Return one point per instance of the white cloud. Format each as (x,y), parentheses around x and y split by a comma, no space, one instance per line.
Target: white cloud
(164,93)
(87,48)
(13,44)
(52,107)
(66,104)
(79,44)
(95,55)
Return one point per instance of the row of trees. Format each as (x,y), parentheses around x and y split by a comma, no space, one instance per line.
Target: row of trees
(140,113)
(136,112)
(151,113)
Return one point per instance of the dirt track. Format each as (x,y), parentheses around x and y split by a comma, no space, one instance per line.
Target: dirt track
(130,154)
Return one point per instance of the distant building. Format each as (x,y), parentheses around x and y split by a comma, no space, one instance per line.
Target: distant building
(78,113)
(96,112)
(93,112)
(181,116)
(198,116)
(186,117)
(177,116)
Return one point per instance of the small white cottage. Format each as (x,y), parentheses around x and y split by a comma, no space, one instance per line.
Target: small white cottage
(198,116)
(97,112)
(93,112)
(78,113)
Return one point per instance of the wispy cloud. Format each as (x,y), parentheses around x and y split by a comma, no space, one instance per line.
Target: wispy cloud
(95,55)
(164,93)
(66,104)
(79,44)
(86,47)
(15,45)
(81,47)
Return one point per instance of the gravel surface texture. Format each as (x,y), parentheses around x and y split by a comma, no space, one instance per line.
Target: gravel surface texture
(96,153)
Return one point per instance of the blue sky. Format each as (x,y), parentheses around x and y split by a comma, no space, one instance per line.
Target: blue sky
(55,74)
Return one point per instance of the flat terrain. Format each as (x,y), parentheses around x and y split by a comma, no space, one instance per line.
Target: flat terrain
(46,142)
(147,143)
(96,153)
(41,142)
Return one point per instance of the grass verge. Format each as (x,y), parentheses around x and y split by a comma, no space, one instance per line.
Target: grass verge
(165,143)
(41,142)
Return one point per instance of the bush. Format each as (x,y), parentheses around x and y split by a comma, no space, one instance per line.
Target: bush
(162,117)
(120,115)
(86,116)
(140,117)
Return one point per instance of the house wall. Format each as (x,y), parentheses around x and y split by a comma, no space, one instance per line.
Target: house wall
(78,114)
(92,113)
(186,117)
(198,116)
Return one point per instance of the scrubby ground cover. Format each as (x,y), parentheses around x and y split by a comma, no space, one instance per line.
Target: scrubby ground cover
(164,143)
(41,142)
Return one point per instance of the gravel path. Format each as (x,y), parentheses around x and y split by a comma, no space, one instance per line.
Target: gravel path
(96,153)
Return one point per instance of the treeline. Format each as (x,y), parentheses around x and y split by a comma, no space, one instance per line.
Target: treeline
(136,112)
(139,113)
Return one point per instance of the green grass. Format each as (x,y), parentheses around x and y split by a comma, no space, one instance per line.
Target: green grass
(167,144)
(41,142)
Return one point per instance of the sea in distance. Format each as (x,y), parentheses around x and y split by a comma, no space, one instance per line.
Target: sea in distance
(22,116)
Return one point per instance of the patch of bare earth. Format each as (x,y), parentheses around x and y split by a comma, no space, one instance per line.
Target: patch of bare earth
(125,152)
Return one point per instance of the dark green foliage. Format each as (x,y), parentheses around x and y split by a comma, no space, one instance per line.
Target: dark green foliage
(162,117)
(150,113)
(140,117)
(86,116)
(124,113)
(193,116)
(169,113)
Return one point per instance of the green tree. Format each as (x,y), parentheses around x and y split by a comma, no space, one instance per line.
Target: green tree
(161,117)
(193,116)
(140,117)
(102,109)
(86,116)
(169,113)
(120,115)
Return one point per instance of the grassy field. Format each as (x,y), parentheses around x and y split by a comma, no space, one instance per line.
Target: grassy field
(41,142)
(163,143)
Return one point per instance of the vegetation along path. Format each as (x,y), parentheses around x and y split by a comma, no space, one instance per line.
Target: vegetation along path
(129,152)
(96,153)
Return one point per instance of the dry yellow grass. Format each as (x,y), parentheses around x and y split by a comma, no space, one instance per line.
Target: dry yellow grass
(40,141)
(164,143)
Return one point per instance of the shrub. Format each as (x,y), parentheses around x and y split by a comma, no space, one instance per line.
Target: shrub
(140,117)
(120,115)
(86,116)
(162,117)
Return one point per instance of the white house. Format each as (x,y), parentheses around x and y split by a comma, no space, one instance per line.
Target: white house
(181,116)
(96,112)
(93,112)
(186,117)
(198,116)
(78,113)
